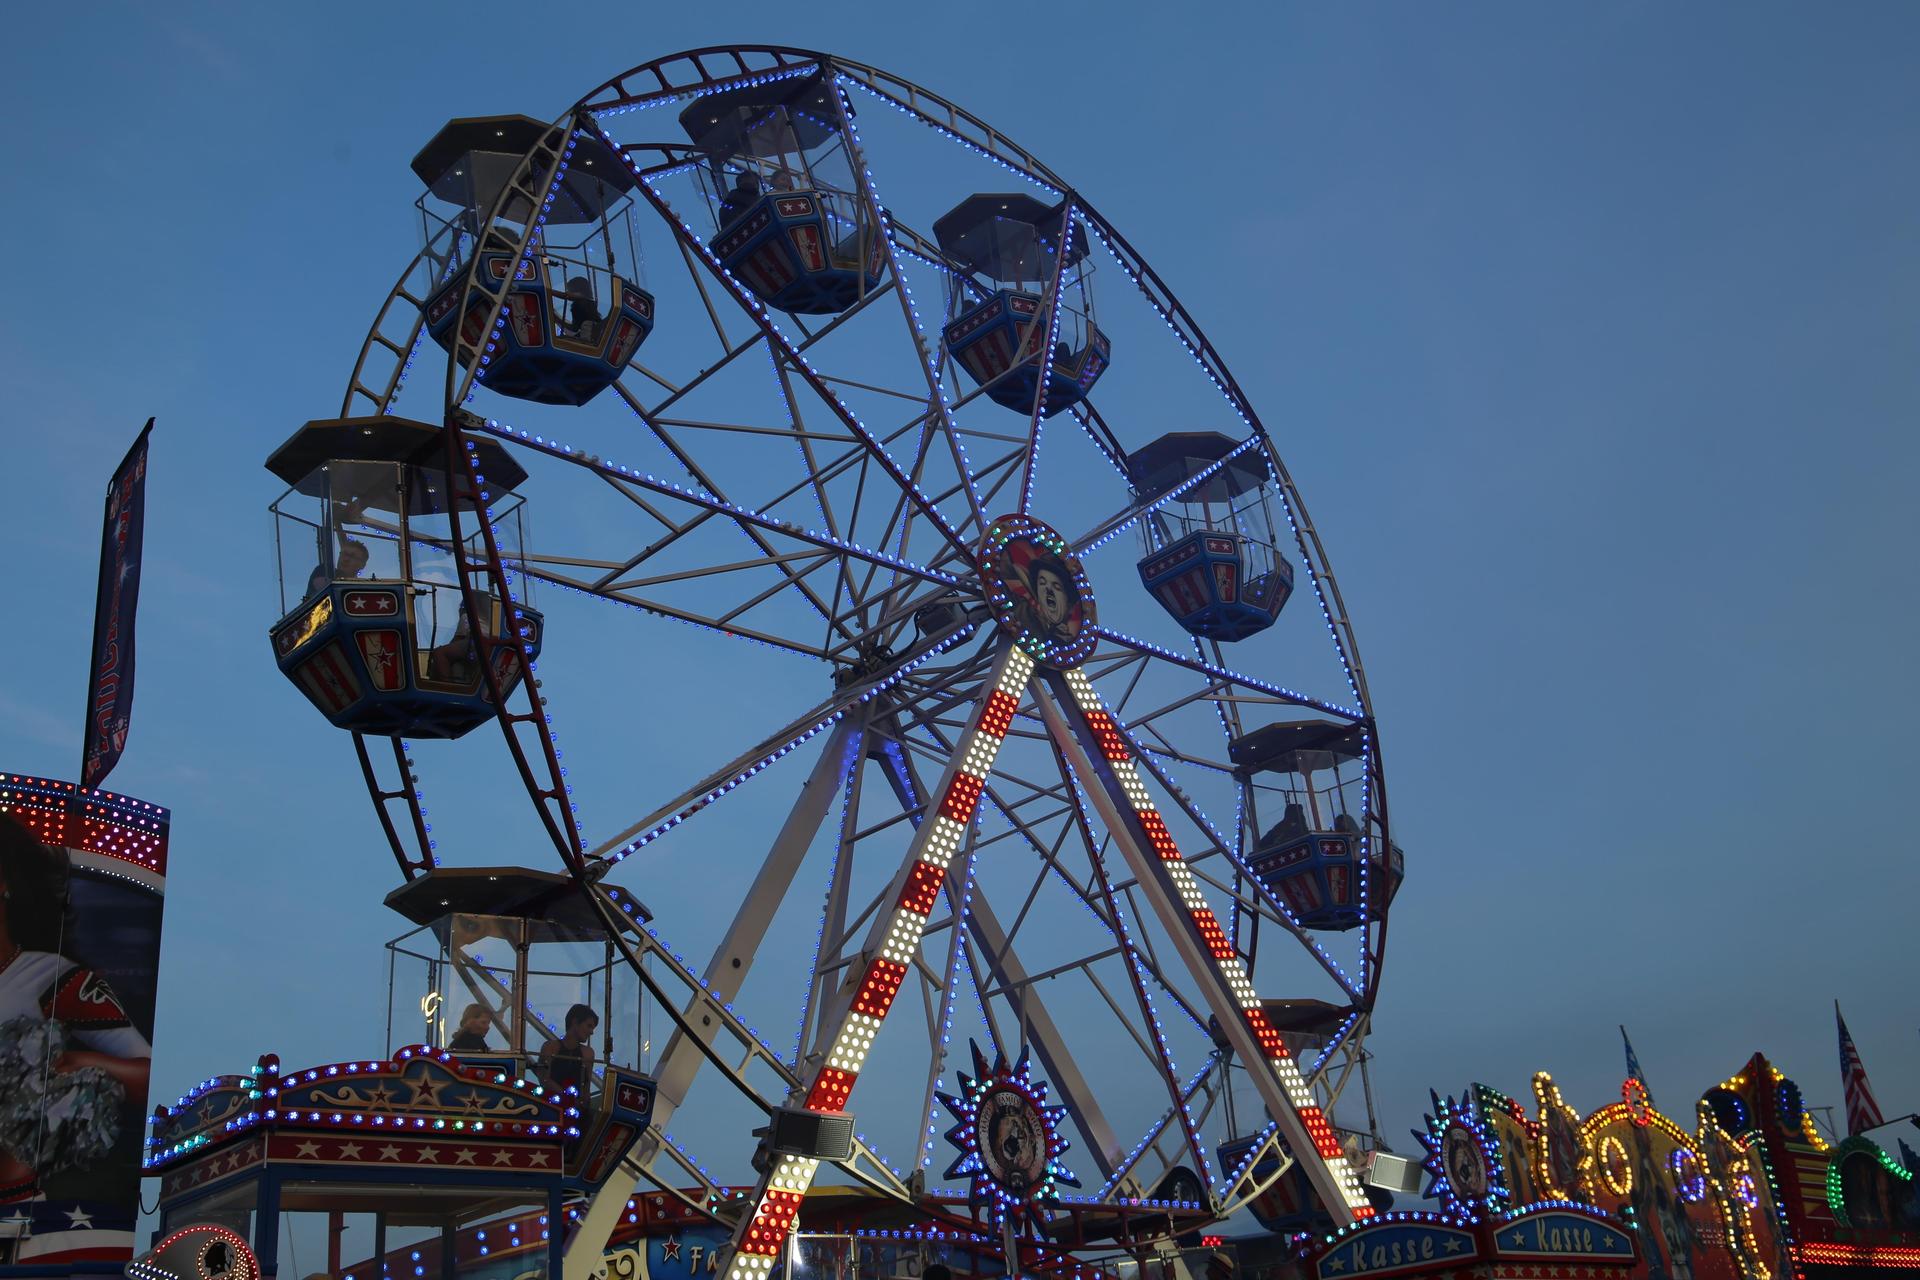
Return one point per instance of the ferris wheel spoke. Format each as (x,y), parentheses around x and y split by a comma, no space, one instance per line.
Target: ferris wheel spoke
(753,761)
(1051,302)
(983,942)
(1029,832)
(706,299)
(711,505)
(1154,653)
(793,355)
(662,609)
(1136,981)
(860,1005)
(733,958)
(935,400)
(1120,522)
(759,337)
(705,480)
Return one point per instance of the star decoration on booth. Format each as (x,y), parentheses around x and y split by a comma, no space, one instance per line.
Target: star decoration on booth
(1008,1137)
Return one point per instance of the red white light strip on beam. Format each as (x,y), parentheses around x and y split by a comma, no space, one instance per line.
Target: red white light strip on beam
(1857,1255)
(1113,747)
(939,840)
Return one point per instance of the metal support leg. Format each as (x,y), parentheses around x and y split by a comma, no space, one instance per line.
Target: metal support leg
(1102,756)
(266,1226)
(726,972)
(858,1009)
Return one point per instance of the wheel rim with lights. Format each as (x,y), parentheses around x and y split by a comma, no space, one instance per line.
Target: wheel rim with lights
(1074,783)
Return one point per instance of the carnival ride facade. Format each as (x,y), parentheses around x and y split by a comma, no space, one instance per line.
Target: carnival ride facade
(1122,827)
(1743,1186)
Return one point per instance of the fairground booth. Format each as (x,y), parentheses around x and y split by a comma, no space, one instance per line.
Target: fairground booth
(1741,1186)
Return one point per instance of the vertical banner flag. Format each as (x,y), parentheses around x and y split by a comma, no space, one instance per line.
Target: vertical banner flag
(110,678)
(1863,1112)
(1633,1065)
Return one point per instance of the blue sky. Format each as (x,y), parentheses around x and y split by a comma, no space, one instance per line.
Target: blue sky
(1588,333)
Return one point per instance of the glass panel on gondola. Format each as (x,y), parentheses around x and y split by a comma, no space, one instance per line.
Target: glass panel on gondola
(1004,259)
(1212,553)
(500,956)
(789,218)
(373,628)
(1306,799)
(578,307)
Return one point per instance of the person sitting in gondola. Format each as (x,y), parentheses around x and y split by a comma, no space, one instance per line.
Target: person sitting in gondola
(353,557)
(474,1025)
(568,1061)
(583,312)
(1292,825)
(745,192)
(457,661)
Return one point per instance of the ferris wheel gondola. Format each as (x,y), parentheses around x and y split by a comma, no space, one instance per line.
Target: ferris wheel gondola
(975,659)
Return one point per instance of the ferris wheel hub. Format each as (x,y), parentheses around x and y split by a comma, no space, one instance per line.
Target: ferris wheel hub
(1038,591)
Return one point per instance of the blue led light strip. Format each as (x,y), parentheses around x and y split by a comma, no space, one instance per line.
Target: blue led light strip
(748,300)
(1100,538)
(669,489)
(935,382)
(1225,673)
(640,842)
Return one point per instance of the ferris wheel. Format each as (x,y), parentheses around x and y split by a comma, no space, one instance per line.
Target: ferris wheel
(1082,764)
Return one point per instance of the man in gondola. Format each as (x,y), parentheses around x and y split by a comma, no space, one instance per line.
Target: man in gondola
(745,192)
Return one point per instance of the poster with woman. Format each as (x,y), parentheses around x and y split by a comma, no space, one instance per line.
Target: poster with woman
(82,881)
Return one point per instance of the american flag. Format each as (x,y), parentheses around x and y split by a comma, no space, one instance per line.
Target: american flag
(1863,1112)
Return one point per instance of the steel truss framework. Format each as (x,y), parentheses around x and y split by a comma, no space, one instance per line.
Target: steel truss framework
(891,487)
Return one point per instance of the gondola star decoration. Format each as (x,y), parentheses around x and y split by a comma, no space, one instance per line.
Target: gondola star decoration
(1462,1158)
(1008,1137)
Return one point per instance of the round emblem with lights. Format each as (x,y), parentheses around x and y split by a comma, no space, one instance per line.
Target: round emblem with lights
(1038,591)
(1465,1161)
(1008,1137)
(1010,1133)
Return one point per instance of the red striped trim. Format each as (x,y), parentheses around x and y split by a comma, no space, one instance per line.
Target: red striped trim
(1265,1033)
(1112,745)
(831,1091)
(1212,934)
(768,1233)
(1325,1140)
(962,798)
(923,887)
(877,991)
(997,716)
(1158,835)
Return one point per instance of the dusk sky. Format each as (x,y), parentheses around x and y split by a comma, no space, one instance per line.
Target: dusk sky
(1589,334)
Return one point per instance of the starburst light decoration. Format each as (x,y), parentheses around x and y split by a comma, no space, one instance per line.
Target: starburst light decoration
(1008,1137)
